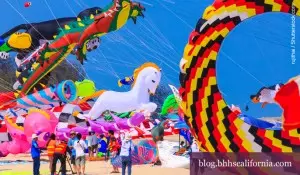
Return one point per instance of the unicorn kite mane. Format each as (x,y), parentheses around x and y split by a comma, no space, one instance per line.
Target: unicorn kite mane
(139,69)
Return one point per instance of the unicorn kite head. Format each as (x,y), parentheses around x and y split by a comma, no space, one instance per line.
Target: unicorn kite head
(149,75)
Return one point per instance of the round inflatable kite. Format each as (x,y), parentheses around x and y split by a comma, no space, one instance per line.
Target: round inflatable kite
(212,123)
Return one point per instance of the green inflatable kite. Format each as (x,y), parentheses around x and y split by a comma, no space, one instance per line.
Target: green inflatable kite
(170,103)
(85,88)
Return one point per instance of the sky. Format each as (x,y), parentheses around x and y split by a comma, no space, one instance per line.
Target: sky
(255,54)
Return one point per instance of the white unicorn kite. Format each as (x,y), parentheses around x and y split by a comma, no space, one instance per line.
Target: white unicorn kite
(146,80)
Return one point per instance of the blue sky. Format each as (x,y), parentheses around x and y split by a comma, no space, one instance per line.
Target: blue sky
(256,53)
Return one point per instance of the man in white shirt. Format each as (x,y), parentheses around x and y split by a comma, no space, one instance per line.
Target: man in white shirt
(126,149)
(266,95)
(79,147)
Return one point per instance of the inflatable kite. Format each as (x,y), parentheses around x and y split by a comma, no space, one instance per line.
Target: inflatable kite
(144,153)
(104,126)
(37,121)
(170,104)
(65,92)
(85,88)
(26,42)
(76,35)
(288,97)
(166,151)
(212,122)
(146,80)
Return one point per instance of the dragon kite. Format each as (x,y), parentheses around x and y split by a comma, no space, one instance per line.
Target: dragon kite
(74,37)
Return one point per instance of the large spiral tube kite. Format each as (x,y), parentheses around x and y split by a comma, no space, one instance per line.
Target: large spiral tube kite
(213,124)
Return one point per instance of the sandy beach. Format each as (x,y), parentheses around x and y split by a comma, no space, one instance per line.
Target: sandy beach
(92,167)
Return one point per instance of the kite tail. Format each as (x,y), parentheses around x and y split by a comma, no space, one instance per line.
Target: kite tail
(95,95)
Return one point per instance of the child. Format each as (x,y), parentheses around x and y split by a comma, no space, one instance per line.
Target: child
(103,144)
(113,149)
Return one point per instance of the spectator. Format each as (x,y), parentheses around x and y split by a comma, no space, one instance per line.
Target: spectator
(194,146)
(103,144)
(110,134)
(182,144)
(50,149)
(126,149)
(92,143)
(35,154)
(71,142)
(113,149)
(60,152)
(80,146)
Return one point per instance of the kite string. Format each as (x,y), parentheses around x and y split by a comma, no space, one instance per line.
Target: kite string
(35,30)
(66,38)
(132,47)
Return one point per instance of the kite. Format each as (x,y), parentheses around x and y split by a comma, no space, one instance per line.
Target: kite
(216,127)
(64,92)
(34,33)
(76,35)
(170,104)
(147,78)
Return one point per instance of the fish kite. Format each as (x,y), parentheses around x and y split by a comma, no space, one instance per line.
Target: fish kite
(126,81)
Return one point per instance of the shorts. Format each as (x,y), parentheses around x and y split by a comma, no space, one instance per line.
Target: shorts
(113,154)
(73,160)
(93,148)
(80,161)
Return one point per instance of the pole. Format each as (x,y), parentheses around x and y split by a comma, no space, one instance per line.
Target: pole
(179,140)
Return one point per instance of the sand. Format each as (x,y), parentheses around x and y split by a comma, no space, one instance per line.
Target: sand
(92,167)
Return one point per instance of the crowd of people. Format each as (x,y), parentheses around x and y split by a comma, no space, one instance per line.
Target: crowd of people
(77,146)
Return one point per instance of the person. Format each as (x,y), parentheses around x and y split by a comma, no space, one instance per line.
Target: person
(158,135)
(113,149)
(182,144)
(71,142)
(102,144)
(35,154)
(79,147)
(50,149)
(60,154)
(110,134)
(126,149)
(266,95)
(194,146)
(92,143)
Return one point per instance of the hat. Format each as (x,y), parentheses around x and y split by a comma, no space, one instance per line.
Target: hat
(34,136)
(128,137)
